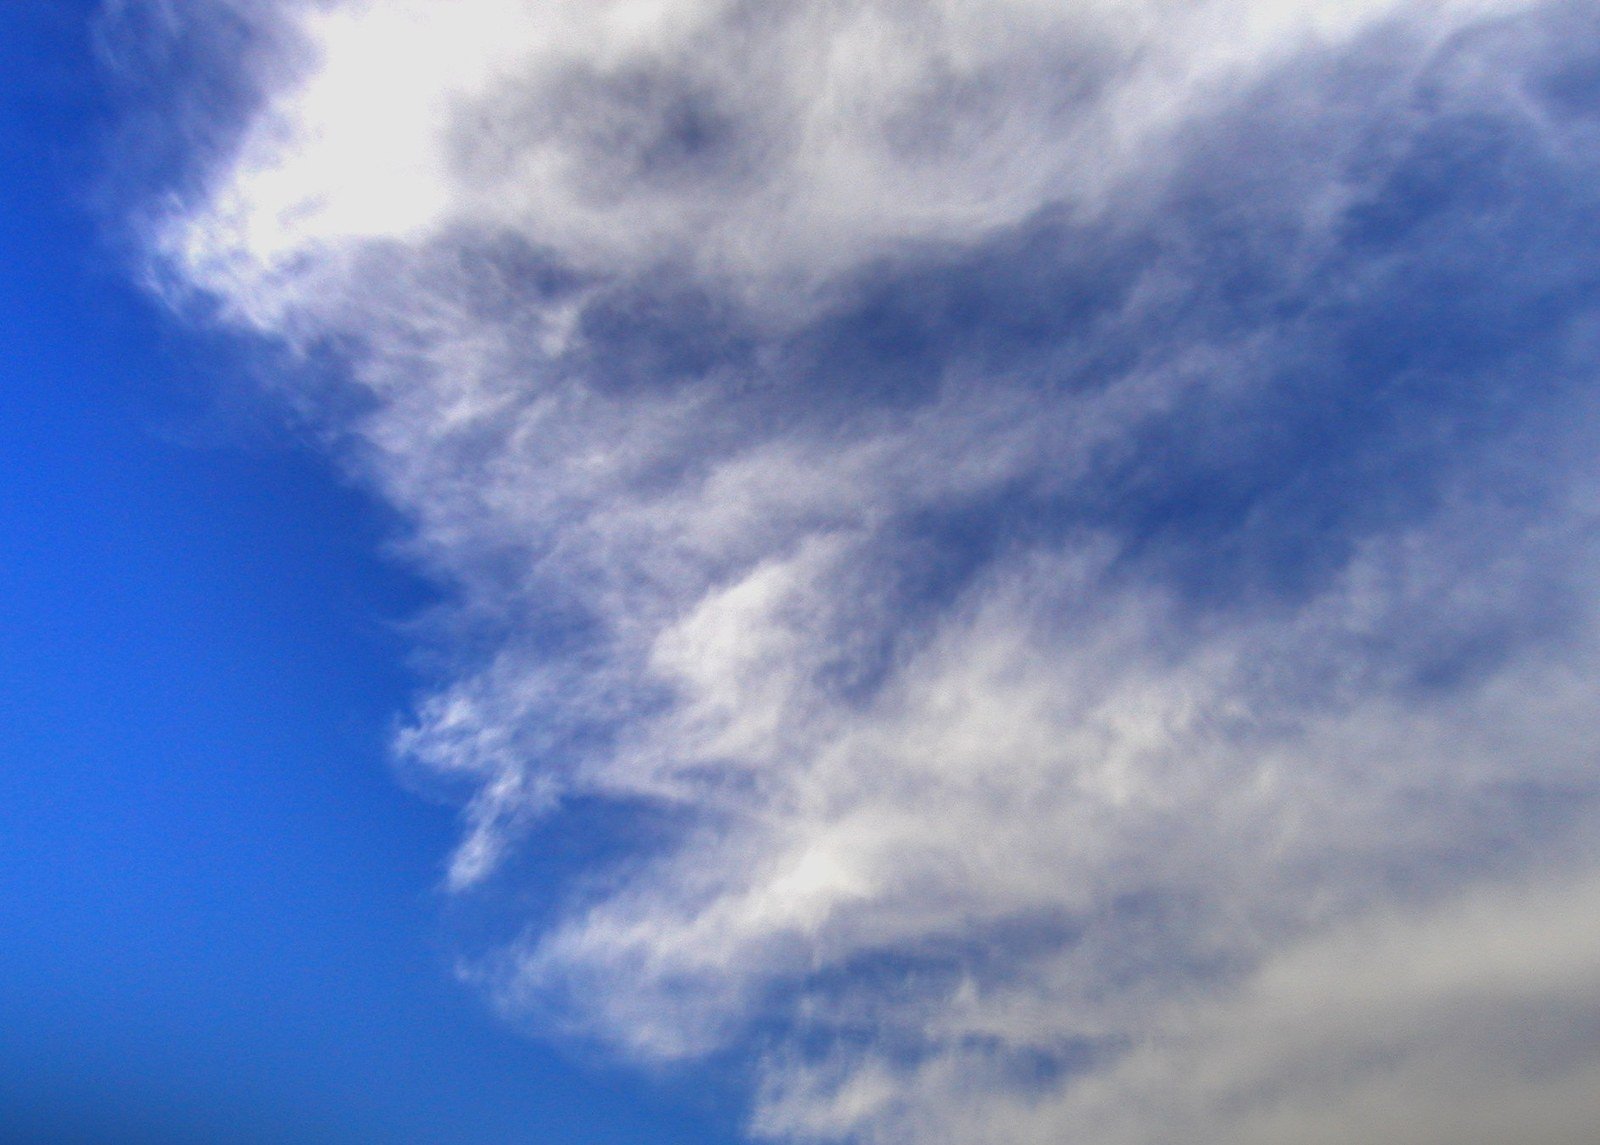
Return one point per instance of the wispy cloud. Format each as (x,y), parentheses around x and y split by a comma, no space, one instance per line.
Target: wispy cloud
(1083,518)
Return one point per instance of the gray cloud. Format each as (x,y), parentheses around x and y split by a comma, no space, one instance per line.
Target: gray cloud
(1079,522)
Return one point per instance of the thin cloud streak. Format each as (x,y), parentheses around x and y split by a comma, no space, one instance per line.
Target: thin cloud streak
(1082,519)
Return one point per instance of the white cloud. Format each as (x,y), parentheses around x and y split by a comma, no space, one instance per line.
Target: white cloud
(995,818)
(765,146)
(1470,1022)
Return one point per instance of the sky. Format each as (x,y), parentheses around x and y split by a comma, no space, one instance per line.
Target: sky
(888,573)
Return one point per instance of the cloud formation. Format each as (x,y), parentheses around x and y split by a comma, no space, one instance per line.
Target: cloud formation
(1073,523)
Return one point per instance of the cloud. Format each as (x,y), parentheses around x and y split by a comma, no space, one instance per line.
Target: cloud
(1075,524)
(759,145)
(1474,1021)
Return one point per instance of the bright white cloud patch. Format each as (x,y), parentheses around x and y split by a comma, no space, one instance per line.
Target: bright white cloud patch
(1082,517)
(762,145)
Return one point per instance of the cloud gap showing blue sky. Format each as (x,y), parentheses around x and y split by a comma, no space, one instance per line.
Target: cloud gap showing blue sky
(1052,544)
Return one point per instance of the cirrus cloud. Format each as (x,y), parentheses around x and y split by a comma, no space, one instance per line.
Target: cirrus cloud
(1080,518)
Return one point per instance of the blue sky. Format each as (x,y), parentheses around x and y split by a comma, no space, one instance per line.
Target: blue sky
(878,573)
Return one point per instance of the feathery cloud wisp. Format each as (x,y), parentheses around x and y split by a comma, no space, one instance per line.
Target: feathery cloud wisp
(1081,515)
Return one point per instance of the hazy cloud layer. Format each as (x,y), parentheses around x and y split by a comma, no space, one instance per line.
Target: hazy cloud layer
(1067,530)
